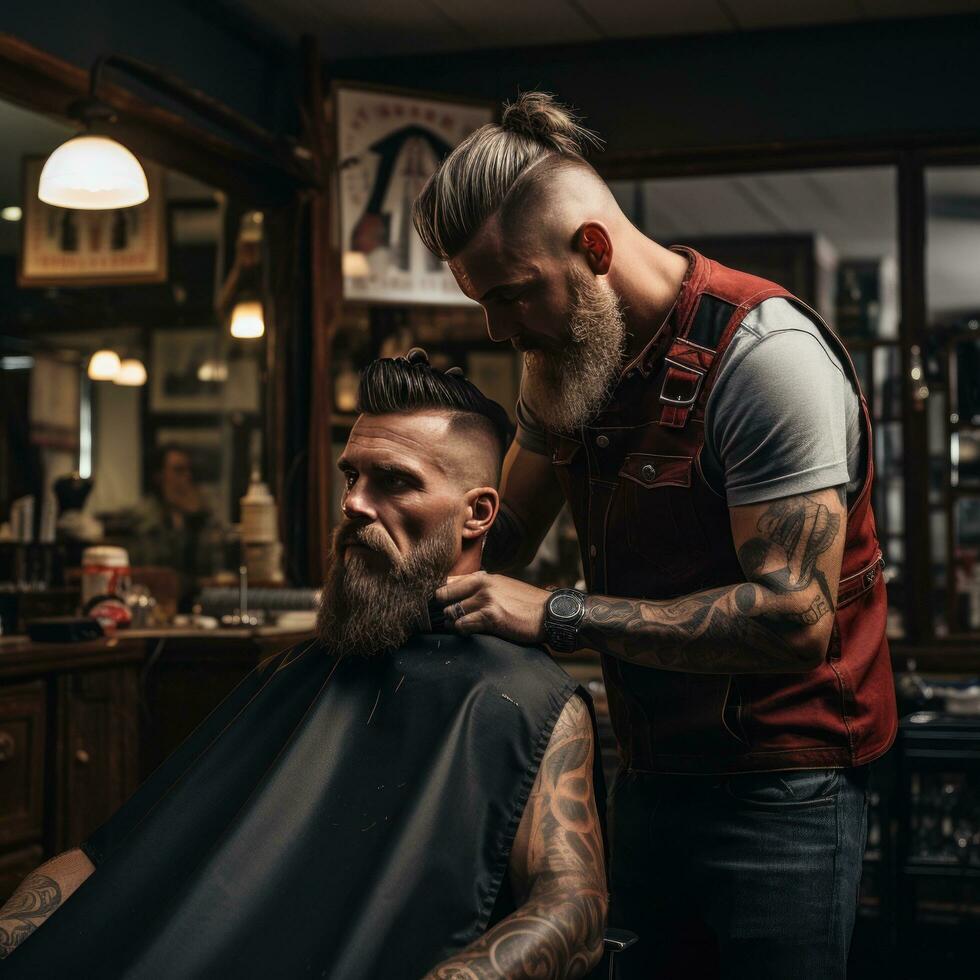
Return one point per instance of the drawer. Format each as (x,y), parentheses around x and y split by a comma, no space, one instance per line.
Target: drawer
(22,715)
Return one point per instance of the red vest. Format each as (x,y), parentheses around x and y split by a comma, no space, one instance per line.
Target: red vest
(650,526)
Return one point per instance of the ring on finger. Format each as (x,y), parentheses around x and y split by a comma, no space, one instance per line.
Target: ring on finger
(458,611)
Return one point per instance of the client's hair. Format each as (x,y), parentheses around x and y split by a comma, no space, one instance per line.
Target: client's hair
(412,384)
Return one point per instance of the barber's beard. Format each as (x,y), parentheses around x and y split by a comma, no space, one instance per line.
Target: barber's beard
(373,603)
(568,387)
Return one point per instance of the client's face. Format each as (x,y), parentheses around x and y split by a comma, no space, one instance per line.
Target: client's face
(401,533)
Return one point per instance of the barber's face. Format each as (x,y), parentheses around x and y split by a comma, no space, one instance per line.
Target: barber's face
(567,320)
(399,488)
(523,289)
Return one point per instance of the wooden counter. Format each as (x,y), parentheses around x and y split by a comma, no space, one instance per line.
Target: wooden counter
(82,724)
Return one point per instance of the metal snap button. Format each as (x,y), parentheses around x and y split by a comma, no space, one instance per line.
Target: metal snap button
(648,473)
(602,441)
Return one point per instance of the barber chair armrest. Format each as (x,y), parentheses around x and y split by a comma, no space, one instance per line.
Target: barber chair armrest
(618,940)
(614,943)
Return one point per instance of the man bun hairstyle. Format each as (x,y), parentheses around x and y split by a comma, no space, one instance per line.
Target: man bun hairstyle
(392,385)
(474,181)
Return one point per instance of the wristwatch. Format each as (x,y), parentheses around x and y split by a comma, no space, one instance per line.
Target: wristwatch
(563,614)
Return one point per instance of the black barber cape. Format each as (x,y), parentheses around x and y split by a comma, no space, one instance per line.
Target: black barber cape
(347,818)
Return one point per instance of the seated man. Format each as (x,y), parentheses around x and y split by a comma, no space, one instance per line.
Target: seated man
(378,802)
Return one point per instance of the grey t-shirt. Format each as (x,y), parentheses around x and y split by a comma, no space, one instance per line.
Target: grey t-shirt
(782,419)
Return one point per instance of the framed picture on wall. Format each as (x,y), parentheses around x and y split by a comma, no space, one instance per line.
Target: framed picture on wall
(189,372)
(68,247)
(389,142)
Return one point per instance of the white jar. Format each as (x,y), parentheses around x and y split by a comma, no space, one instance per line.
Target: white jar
(105,571)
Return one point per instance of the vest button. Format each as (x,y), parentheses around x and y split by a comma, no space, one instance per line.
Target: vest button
(602,441)
(648,473)
(593,551)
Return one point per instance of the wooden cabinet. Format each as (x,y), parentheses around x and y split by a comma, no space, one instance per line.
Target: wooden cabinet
(69,746)
(81,725)
(22,737)
(97,755)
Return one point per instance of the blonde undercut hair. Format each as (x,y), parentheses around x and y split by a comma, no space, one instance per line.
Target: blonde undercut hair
(477,178)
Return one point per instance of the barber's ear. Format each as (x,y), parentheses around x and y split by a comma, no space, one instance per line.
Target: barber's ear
(594,242)
(482,504)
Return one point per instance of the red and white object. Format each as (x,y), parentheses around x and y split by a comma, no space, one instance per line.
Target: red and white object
(105,571)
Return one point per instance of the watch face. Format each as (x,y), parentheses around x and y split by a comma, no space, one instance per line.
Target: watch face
(565,606)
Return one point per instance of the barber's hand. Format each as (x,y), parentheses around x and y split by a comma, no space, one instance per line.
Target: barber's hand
(494,604)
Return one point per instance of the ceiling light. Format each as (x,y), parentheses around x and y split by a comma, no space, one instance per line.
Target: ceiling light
(132,374)
(92,173)
(104,365)
(11,213)
(247,321)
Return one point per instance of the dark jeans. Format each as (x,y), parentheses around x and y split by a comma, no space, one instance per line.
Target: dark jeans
(752,875)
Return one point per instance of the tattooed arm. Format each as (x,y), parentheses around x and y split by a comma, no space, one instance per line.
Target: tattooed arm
(557,872)
(530,500)
(778,621)
(38,895)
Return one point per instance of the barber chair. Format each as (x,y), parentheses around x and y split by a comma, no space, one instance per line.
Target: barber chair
(615,943)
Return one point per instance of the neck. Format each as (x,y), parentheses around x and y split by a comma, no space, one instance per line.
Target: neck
(647,280)
(470,558)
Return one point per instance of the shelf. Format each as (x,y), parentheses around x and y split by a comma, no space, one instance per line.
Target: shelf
(936,870)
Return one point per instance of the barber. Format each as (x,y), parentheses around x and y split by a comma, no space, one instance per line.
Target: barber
(708,433)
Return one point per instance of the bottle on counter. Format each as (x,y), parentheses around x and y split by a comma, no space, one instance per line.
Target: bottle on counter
(261,549)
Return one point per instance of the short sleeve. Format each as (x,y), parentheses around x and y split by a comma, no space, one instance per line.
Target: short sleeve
(778,420)
(530,432)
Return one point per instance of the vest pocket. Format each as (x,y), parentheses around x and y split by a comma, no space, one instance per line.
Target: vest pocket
(662,525)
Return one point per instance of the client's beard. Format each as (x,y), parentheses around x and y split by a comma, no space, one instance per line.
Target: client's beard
(567,388)
(370,606)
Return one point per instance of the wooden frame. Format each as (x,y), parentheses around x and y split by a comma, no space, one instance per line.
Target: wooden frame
(284,184)
(155,207)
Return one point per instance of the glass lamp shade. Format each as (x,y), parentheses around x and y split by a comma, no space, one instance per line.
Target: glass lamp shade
(92,173)
(104,365)
(132,374)
(247,321)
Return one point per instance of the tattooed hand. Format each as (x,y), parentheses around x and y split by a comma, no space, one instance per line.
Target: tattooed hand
(778,621)
(557,872)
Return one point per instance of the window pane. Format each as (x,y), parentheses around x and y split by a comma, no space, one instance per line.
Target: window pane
(953,377)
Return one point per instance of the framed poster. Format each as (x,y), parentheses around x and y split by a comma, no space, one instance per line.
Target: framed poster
(388,143)
(189,372)
(55,402)
(68,247)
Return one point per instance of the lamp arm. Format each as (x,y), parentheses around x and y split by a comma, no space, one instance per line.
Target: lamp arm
(201,103)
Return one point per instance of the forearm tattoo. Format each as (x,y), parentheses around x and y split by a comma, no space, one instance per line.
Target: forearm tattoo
(557,932)
(36,898)
(754,627)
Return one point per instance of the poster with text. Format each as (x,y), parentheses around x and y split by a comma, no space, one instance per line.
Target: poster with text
(388,144)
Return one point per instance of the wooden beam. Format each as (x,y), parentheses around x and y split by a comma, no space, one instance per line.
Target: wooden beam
(326,305)
(43,83)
